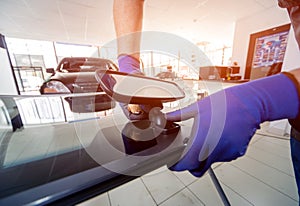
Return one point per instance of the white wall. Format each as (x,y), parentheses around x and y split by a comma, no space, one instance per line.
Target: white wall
(272,17)
(292,55)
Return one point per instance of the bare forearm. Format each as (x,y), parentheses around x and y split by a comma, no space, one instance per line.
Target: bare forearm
(128,19)
(296,73)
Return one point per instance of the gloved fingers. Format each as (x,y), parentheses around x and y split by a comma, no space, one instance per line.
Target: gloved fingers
(129,64)
(183,114)
(134,108)
(192,161)
(138,111)
(199,168)
(196,170)
(136,114)
(202,168)
(140,116)
(206,164)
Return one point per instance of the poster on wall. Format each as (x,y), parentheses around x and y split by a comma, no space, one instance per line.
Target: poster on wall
(266,49)
(270,49)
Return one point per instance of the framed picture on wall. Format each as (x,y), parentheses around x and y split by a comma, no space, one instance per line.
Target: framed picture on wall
(266,49)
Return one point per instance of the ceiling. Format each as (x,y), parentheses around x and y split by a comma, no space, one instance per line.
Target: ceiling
(91,21)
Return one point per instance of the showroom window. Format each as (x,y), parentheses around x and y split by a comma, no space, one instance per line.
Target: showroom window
(30,58)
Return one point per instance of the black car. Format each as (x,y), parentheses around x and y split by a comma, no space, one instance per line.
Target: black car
(76,76)
(166,75)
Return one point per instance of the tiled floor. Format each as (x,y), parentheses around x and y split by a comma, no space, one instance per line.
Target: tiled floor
(264,176)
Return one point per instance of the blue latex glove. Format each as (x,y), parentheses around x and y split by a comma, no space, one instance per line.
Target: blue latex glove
(223,132)
(131,65)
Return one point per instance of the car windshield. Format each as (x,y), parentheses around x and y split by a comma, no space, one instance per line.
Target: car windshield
(85,65)
(49,153)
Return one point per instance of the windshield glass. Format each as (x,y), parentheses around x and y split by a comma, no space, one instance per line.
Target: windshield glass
(45,145)
(85,64)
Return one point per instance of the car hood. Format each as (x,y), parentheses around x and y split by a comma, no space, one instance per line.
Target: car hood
(78,82)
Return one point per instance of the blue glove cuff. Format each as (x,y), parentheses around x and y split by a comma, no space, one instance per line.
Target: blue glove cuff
(128,64)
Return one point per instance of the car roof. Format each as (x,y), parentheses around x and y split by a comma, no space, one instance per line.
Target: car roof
(74,62)
(83,59)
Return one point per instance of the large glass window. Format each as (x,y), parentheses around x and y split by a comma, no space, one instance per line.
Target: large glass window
(30,58)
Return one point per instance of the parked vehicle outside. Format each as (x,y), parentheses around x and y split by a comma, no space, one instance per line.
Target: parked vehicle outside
(76,75)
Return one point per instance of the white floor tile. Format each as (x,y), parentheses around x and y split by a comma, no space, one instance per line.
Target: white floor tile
(250,188)
(254,139)
(162,185)
(185,177)
(183,198)
(278,147)
(274,178)
(234,197)
(157,171)
(133,193)
(102,200)
(283,142)
(279,127)
(206,191)
(271,160)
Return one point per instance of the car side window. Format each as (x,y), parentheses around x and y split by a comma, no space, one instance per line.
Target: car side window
(64,67)
(67,67)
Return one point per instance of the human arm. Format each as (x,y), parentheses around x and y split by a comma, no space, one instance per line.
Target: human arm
(223,132)
(128,21)
(296,74)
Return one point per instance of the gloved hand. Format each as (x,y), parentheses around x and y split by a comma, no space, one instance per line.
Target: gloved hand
(131,65)
(226,120)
